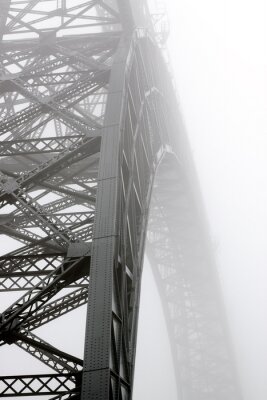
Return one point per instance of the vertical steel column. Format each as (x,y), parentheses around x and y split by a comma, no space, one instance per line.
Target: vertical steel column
(96,375)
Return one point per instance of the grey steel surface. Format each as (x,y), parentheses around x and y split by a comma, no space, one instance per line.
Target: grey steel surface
(93,159)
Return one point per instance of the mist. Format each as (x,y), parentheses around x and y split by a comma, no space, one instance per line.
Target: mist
(218,58)
(218,53)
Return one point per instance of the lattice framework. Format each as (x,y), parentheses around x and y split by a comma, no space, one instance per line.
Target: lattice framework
(88,119)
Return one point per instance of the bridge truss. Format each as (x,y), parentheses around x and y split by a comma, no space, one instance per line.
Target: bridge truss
(93,160)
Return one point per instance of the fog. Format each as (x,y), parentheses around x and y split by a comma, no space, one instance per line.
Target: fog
(219,59)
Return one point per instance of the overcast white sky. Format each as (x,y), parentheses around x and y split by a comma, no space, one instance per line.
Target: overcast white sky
(219,56)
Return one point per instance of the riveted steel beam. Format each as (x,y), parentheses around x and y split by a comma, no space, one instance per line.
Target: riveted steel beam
(90,132)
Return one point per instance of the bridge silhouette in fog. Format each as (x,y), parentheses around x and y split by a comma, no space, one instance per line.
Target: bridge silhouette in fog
(95,170)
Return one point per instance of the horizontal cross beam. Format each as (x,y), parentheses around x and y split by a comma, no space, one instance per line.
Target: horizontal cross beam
(39,385)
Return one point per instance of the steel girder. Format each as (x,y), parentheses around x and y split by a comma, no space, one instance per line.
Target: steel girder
(88,120)
(183,267)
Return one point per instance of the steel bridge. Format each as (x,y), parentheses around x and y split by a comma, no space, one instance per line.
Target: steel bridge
(93,161)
